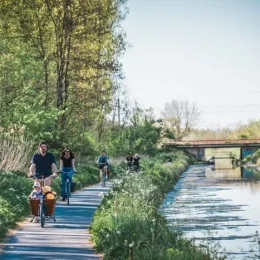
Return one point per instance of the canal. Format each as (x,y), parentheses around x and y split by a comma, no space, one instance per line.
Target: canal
(218,206)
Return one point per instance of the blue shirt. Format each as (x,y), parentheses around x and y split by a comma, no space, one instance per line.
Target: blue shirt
(102,159)
(43,163)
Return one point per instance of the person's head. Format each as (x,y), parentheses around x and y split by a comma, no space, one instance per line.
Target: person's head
(67,152)
(43,147)
(37,186)
(136,155)
(103,153)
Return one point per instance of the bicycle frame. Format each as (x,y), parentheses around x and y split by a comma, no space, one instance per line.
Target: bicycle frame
(42,210)
(104,176)
(68,184)
(129,165)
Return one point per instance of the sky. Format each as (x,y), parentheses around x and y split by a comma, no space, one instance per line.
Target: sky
(203,51)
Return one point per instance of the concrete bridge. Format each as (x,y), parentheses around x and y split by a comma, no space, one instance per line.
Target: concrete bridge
(207,149)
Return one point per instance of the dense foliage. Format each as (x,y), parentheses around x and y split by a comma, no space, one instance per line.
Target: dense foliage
(59,66)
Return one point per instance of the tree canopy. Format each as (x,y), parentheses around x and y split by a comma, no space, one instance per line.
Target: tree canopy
(59,65)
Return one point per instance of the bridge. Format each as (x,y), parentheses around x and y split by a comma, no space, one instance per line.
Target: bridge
(198,147)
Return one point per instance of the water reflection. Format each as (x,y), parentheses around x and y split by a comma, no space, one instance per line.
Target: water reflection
(218,204)
(223,174)
(224,163)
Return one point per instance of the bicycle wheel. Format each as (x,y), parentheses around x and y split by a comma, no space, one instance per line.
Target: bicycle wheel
(104,179)
(68,191)
(42,215)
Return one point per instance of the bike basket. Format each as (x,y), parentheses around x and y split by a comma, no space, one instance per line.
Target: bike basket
(35,207)
(50,207)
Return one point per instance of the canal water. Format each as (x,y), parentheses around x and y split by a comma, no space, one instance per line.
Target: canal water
(219,206)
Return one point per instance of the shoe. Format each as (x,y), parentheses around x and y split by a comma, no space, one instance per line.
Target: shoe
(36,220)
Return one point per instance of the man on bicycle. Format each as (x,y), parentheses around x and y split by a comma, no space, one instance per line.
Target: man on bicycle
(102,161)
(43,164)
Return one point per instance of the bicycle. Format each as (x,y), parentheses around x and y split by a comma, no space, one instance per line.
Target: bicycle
(104,176)
(129,168)
(136,168)
(68,184)
(42,207)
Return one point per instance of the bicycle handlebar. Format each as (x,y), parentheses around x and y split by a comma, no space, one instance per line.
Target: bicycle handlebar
(42,178)
(67,172)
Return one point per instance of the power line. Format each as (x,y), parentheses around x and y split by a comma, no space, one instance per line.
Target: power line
(229,106)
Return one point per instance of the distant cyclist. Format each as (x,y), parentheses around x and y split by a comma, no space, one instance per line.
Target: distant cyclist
(102,161)
(43,164)
(67,169)
(129,160)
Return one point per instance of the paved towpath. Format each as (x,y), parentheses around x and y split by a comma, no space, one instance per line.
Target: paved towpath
(67,238)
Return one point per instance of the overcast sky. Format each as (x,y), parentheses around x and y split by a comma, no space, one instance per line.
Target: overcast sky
(204,51)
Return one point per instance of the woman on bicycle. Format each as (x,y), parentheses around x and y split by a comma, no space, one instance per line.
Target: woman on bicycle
(67,169)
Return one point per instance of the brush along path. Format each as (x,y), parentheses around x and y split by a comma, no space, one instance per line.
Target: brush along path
(67,238)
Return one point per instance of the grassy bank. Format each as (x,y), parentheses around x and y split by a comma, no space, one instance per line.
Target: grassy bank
(127,225)
(15,188)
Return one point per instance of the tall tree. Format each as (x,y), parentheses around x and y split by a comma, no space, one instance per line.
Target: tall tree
(181,116)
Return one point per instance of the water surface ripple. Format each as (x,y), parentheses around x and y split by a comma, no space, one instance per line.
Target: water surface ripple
(218,206)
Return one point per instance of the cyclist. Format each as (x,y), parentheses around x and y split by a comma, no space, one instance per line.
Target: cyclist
(136,162)
(43,164)
(67,167)
(129,161)
(102,161)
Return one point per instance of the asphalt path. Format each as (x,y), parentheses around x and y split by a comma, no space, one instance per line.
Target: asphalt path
(68,238)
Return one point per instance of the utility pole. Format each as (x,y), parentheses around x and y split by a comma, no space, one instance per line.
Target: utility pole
(118,110)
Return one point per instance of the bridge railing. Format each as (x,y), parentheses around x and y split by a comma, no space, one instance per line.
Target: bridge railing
(216,141)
